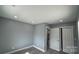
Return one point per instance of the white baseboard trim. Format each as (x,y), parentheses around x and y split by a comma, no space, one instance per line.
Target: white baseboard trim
(39,48)
(18,50)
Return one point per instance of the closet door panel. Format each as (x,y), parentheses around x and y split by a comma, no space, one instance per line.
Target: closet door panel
(68,41)
(54,39)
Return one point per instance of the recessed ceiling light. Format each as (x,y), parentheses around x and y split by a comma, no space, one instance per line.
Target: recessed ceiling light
(61,20)
(15,17)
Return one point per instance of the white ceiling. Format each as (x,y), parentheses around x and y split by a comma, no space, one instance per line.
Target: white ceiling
(36,14)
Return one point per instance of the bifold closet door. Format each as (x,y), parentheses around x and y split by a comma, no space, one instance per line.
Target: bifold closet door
(68,41)
(54,39)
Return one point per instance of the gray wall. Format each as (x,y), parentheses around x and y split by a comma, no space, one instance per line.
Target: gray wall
(15,35)
(40,38)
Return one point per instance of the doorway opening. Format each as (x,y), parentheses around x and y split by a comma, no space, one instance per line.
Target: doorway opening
(48,38)
(61,40)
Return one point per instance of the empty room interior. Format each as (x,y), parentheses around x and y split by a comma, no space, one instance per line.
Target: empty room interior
(39,29)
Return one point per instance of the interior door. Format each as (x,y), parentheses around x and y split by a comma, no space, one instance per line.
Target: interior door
(68,41)
(54,39)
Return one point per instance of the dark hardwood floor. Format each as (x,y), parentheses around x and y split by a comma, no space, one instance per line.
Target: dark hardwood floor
(33,50)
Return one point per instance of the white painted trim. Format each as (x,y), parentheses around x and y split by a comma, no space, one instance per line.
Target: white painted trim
(39,48)
(18,50)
